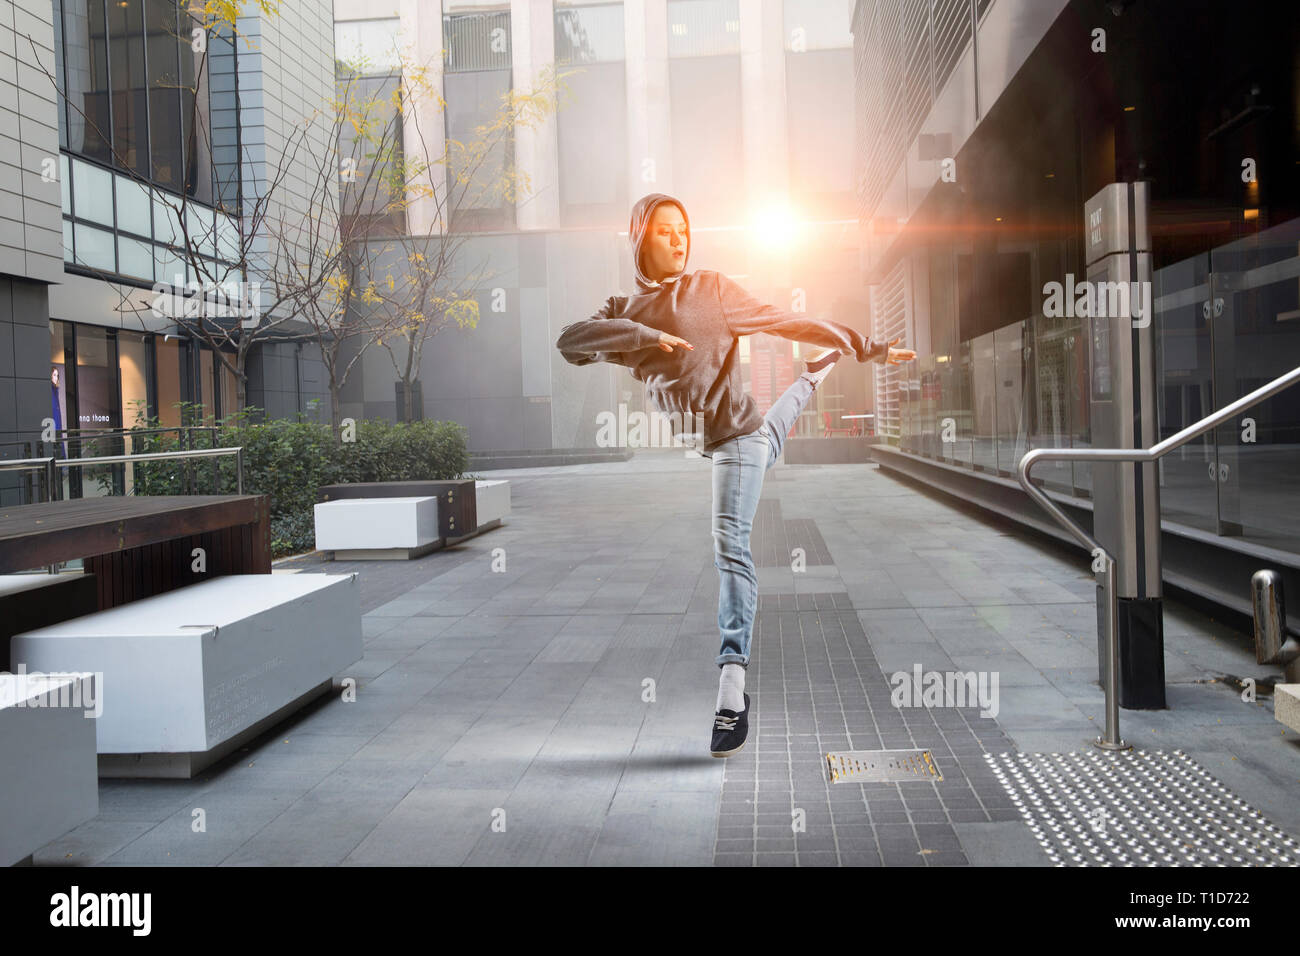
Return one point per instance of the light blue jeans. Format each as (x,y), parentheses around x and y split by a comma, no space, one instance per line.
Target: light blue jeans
(739,466)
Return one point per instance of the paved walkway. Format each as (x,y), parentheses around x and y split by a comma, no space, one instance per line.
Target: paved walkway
(557,710)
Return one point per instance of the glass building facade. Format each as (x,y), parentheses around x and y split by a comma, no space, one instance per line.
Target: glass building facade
(149,132)
(970,269)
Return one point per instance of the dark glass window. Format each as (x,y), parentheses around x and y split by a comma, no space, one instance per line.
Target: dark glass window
(195,118)
(162,40)
(86,79)
(60,70)
(127,81)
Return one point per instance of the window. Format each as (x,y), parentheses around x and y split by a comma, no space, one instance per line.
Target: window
(588,33)
(172,356)
(708,164)
(477,75)
(473,100)
(134,258)
(593,147)
(368,47)
(818,25)
(592,120)
(479,40)
(374,191)
(703,27)
(127,82)
(97,402)
(93,187)
(137,96)
(132,207)
(145,221)
(162,39)
(94,248)
(85,80)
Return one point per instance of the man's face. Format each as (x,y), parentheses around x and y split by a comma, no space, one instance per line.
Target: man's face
(667,244)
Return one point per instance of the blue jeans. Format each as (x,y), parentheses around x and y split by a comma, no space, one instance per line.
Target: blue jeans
(739,466)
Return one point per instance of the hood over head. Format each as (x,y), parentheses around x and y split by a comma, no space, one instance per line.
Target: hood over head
(639,228)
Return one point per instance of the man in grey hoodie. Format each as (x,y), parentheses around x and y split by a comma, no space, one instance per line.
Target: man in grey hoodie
(679,333)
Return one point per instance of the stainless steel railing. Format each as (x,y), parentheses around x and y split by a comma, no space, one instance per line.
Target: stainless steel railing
(47,465)
(1111,740)
(51,465)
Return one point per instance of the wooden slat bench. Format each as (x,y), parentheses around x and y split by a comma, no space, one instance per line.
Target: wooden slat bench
(137,547)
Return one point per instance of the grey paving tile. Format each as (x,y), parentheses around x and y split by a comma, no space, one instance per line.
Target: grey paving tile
(92,842)
(431,827)
(668,829)
(523,691)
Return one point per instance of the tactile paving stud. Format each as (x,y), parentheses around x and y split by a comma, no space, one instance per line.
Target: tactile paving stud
(1160,809)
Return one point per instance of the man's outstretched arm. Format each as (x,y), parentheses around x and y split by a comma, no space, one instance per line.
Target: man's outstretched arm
(746,315)
(604,337)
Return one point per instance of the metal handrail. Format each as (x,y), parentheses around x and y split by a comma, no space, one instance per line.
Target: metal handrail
(85,434)
(48,465)
(1111,740)
(237,451)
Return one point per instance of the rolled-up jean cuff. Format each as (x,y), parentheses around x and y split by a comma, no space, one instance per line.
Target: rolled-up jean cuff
(733,659)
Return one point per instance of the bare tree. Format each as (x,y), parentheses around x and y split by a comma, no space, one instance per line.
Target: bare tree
(319,269)
(410,285)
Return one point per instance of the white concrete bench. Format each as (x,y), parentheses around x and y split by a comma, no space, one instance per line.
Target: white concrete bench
(1286,705)
(377,529)
(192,674)
(48,780)
(362,529)
(492,500)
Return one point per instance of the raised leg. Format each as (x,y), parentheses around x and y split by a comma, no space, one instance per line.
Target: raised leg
(785,411)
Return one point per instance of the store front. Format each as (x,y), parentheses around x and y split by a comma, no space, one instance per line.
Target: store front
(106,381)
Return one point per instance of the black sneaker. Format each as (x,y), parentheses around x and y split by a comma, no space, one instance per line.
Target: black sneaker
(730,730)
(818,368)
(827,358)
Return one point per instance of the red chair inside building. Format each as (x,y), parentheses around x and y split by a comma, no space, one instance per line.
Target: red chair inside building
(828,431)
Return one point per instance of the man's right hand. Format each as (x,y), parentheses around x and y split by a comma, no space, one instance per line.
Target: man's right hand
(666,342)
(898,356)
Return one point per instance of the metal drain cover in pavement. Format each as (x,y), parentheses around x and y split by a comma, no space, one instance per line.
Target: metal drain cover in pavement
(1137,809)
(882,766)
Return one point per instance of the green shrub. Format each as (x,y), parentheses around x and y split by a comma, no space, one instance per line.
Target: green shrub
(289,461)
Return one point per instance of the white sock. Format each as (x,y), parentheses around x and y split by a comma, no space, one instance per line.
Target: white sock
(731,688)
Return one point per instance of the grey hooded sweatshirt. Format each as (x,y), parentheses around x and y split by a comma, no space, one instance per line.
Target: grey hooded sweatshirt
(711,312)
